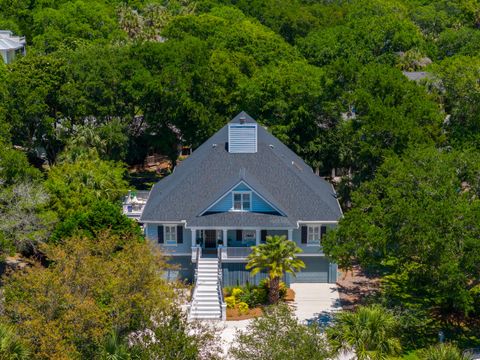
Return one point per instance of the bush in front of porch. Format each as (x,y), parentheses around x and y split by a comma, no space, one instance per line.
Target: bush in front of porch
(248,301)
(277,256)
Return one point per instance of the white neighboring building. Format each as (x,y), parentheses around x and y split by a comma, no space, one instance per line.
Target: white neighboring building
(134,203)
(11,45)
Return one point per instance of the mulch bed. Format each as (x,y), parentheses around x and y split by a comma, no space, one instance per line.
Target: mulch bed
(234,314)
(355,286)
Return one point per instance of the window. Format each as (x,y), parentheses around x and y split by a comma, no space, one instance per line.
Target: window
(242,201)
(170,235)
(313,235)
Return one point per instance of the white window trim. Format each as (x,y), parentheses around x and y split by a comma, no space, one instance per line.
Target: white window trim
(241,202)
(312,228)
(174,227)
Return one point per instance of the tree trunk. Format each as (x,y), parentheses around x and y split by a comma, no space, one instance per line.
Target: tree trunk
(274,290)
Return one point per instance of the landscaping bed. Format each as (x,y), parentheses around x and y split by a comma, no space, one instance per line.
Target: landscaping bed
(247,302)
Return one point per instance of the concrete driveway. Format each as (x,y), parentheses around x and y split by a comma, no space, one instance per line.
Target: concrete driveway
(315,301)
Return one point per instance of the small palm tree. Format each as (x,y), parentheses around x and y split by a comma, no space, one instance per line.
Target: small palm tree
(114,348)
(370,332)
(11,347)
(442,352)
(278,256)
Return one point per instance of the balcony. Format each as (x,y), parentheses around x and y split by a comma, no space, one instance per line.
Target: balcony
(234,253)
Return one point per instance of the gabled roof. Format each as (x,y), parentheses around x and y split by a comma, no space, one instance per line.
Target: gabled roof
(274,172)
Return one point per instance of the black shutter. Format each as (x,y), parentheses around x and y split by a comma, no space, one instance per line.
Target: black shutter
(304,234)
(239,235)
(263,236)
(179,234)
(160,234)
(323,231)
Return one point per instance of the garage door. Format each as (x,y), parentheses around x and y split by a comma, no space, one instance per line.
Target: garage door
(316,271)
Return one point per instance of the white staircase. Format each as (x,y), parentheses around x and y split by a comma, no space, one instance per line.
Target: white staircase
(207,297)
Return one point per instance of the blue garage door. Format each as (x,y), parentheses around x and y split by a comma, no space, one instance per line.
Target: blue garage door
(316,271)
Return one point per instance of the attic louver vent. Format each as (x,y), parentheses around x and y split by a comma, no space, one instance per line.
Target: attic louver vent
(242,138)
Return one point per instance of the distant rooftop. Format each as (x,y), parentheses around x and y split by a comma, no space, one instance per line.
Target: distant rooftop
(416,75)
(10,42)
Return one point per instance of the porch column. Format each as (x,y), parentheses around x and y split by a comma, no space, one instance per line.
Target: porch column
(290,234)
(257,236)
(194,236)
(225,240)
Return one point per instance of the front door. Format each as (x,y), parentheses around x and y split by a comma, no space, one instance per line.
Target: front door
(210,239)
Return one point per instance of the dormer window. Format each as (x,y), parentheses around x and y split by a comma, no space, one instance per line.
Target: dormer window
(242,201)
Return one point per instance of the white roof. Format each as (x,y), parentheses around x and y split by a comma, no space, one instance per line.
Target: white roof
(10,42)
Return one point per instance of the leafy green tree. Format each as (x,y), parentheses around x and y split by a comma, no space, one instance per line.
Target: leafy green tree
(11,347)
(99,216)
(33,105)
(74,186)
(277,256)
(278,335)
(70,22)
(370,332)
(293,101)
(442,352)
(26,219)
(461,97)
(174,337)
(90,287)
(417,224)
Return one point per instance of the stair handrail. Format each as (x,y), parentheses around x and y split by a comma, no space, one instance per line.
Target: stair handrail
(194,295)
(220,282)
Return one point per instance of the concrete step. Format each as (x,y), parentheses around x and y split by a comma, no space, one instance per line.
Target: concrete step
(206,308)
(208,302)
(206,297)
(207,288)
(205,317)
(206,313)
(207,267)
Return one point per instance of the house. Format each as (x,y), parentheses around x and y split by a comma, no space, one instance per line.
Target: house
(133,204)
(11,45)
(237,188)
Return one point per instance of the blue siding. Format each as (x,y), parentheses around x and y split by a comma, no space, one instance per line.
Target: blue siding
(309,249)
(258,204)
(151,233)
(235,274)
(182,269)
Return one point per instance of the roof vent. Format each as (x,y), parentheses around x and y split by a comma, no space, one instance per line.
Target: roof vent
(242,137)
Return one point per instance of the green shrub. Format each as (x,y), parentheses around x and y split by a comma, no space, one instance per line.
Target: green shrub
(243,308)
(236,292)
(254,297)
(230,300)
(228,290)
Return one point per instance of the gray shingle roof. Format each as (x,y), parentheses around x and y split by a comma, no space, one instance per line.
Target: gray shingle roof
(275,172)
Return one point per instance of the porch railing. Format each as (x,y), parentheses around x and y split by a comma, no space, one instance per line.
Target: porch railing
(238,252)
(196,253)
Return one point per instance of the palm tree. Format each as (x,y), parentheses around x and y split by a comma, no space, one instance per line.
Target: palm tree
(442,352)
(277,256)
(11,347)
(114,348)
(370,332)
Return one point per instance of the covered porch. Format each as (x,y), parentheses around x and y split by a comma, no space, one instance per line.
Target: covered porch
(230,244)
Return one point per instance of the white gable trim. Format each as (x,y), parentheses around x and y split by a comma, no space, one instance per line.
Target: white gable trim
(231,189)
